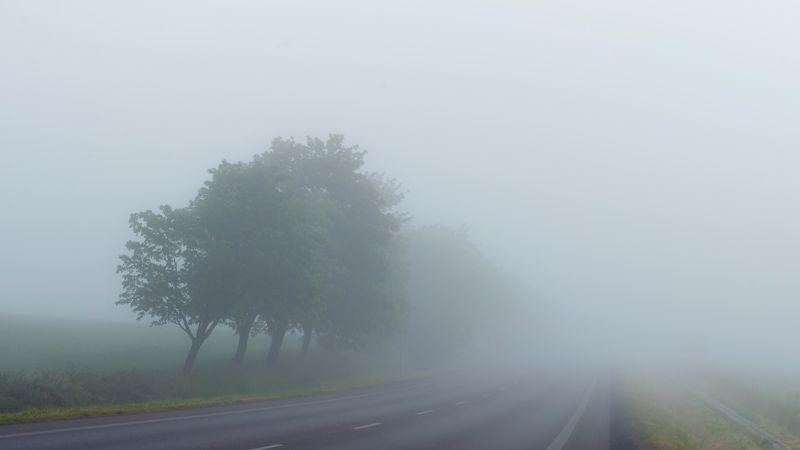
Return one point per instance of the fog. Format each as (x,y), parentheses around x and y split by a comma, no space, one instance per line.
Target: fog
(633,163)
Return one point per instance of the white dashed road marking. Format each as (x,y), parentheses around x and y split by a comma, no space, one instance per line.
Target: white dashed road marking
(422,413)
(268,447)
(369,425)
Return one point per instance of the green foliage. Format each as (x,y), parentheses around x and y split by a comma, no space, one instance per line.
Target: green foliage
(356,303)
(298,237)
(173,275)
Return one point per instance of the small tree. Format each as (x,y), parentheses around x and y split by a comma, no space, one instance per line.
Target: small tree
(170,275)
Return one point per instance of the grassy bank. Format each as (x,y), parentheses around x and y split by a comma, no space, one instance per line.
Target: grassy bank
(771,402)
(73,393)
(668,417)
(95,410)
(74,369)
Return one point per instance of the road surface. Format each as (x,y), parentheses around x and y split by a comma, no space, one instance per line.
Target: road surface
(455,410)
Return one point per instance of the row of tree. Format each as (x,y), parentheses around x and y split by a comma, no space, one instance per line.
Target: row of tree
(297,238)
(302,238)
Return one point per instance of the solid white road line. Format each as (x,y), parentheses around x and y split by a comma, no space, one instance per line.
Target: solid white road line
(268,447)
(427,411)
(369,425)
(563,437)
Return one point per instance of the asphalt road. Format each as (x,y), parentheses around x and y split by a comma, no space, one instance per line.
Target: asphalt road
(458,410)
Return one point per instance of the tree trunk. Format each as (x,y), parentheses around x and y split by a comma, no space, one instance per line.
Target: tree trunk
(243,329)
(308,332)
(193,350)
(241,348)
(277,335)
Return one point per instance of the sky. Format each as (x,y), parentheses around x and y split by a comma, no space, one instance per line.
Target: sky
(633,162)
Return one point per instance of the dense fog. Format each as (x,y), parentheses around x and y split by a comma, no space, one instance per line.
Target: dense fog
(631,165)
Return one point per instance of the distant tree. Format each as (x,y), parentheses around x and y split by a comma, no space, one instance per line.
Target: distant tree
(170,275)
(449,281)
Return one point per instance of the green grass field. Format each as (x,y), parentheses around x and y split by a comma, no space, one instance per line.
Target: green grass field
(36,343)
(71,368)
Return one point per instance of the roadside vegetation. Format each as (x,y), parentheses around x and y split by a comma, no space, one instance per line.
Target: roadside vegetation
(44,395)
(770,401)
(127,367)
(668,416)
(290,273)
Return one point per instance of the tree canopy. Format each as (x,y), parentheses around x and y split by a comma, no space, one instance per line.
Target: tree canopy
(303,238)
(295,238)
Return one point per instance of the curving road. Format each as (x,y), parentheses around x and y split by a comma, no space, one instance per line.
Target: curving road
(456,410)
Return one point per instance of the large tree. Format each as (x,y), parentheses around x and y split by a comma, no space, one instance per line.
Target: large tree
(273,234)
(297,238)
(172,275)
(239,206)
(356,305)
(299,278)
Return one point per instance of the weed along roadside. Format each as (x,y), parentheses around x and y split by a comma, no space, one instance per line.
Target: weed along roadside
(252,387)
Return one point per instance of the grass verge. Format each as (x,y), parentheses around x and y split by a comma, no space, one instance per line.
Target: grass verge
(76,412)
(771,402)
(668,417)
(77,393)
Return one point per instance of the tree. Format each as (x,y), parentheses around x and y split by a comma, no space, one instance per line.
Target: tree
(356,305)
(170,275)
(241,207)
(275,239)
(302,250)
(296,238)
(455,294)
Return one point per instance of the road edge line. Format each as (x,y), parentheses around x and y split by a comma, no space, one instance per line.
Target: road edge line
(562,438)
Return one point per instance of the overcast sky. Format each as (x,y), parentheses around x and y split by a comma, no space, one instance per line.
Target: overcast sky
(634,162)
